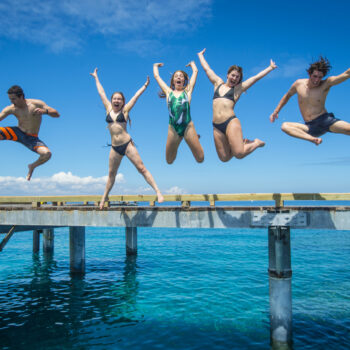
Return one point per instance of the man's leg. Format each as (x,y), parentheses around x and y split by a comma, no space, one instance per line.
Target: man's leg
(300,131)
(340,127)
(45,155)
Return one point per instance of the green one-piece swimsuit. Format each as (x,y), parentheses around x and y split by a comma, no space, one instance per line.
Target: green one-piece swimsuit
(179,112)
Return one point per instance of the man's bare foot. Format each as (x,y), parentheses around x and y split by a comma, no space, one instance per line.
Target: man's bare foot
(259,143)
(317,141)
(247,141)
(160,197)
(31,168)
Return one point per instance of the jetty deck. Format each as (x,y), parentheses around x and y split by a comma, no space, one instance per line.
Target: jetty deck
(180,211)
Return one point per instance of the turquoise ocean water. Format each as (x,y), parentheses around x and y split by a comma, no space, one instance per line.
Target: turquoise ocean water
(186,289)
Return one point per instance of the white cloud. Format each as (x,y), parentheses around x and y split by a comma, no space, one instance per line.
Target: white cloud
(175,190)
(58,184)
(62,24)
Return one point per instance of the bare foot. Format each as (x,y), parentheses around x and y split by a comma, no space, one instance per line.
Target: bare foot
(102,203)
(317,141)
(160,197)
(31,168)
(247,141)
(260,143)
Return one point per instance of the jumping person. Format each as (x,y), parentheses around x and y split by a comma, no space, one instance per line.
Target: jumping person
(312,94)
(29,113)
(117,112)
(178,97)
(227,129)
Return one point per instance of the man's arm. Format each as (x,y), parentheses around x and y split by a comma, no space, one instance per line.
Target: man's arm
(43,108)
(249,82)
(133,100)
(283,102)
(216,80)
(338,79)
(6,112)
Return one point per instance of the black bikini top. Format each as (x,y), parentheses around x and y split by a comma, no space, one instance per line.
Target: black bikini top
(120,118)
(230,94)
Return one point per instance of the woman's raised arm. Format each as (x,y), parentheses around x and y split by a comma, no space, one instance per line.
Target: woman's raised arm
(216,80)
(138,93)
(193,79)
(101,91)
(165,88)
(249,82)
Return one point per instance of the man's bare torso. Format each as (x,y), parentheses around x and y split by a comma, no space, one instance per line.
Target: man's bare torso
(311,100)
(28,121)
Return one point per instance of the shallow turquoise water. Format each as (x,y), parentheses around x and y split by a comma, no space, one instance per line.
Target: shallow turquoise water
(186,289)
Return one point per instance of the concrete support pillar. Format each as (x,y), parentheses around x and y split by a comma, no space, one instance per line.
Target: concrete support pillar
(48,240)
(77,249)
(36,240)
(280,282)
(131,240)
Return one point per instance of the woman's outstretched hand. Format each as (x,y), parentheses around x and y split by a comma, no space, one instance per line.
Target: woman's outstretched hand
(94,74)
(147,81)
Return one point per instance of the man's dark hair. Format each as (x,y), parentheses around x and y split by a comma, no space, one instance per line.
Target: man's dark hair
(321,65)
(15,90)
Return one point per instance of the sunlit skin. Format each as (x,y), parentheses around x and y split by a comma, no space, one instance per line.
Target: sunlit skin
(29,114)
(312,94)
(191,137)
(179,81)
(120,136)
(231,144)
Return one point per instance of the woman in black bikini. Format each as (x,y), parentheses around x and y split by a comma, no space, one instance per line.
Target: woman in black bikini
(228,136)
(122,144)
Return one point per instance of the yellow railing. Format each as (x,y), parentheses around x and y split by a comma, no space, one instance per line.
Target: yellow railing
(185,199)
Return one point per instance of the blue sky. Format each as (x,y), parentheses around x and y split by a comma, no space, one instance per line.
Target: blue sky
(49,48)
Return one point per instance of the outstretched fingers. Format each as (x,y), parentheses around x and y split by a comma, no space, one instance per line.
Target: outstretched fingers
(94,74)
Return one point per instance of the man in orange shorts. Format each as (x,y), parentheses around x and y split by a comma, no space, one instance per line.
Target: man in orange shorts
(29,114)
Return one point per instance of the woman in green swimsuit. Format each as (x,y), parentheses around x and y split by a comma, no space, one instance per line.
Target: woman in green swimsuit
(178,97)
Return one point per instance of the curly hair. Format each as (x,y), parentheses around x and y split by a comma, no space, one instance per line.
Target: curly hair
(321,65)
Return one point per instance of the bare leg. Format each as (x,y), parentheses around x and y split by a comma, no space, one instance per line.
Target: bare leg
(114,163)
(172,144)
(45,155)
(300,131)
(133,155)
(232,144)
(192,139)
(340,127)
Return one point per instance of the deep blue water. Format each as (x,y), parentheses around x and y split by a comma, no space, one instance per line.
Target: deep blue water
(186,289)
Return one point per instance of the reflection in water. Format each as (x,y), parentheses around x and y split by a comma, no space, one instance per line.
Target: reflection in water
(48,305)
